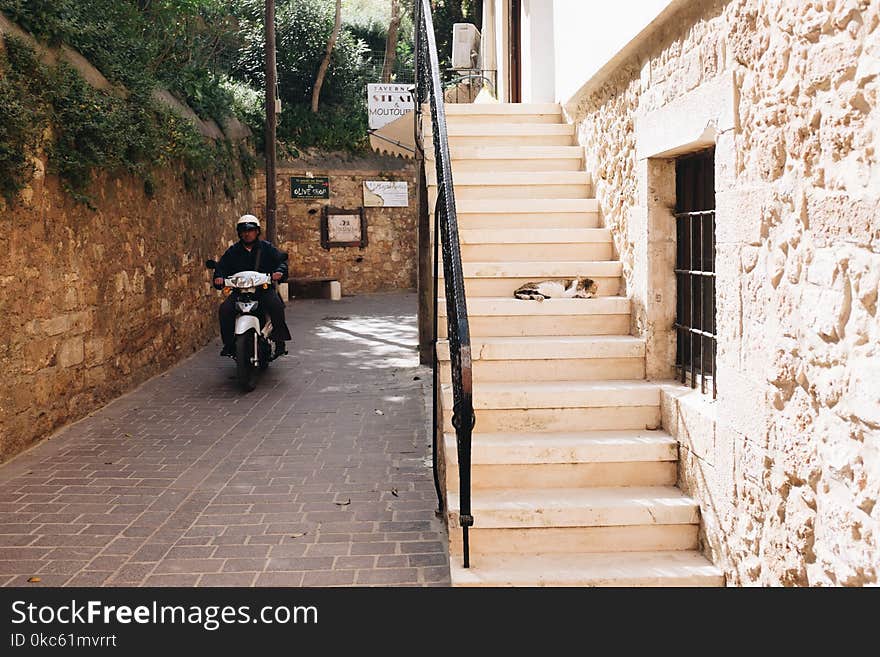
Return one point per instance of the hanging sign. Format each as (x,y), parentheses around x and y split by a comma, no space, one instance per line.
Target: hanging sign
(388,102)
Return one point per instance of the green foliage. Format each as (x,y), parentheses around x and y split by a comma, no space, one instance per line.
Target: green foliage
(333,128)
(140,44)
(303,28)
(210,53)
(95,131)
(24,117)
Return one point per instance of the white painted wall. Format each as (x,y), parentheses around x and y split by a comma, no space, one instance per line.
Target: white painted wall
(538,80)
(565,42)
(587,33)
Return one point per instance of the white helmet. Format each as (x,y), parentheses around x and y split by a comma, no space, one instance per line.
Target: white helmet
(246,222)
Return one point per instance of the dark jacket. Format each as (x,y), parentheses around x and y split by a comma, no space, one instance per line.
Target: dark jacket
(237,258)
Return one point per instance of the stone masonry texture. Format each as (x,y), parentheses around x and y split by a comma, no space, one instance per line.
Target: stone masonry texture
(319,477)
(97,301)
(388,261)
(790,476)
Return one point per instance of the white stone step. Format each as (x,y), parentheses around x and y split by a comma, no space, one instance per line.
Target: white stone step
(559,406)
(560,394)
(579,540)
(538,185)
(507,119)
(528,206)
(510,307)
(570,475)
(551,420)
(501,279)
(549,190)
(500,110)
(527,214)
(573,447)
(484,115)
(543,269)
(510,134)
(523,252)
(544,358)
(666,568)
(551,461)
(512,158)
(552,369)
(510,152)
(554,236)
(577,507)
(500,129)
(544,347)
(502,316)
(513,178)
(543,244)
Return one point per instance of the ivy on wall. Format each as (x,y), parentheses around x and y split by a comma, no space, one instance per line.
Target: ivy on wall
(91,130)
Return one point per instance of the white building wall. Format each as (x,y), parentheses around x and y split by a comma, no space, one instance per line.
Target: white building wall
(564,42)
(538,80)
(587,33)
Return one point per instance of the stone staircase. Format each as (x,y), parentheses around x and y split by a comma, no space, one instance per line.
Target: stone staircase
(573,481)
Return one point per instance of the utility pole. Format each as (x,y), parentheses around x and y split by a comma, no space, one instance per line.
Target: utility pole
(271,120)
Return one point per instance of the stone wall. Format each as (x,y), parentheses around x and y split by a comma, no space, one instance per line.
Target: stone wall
(95,302)
(387,262)
(786,462)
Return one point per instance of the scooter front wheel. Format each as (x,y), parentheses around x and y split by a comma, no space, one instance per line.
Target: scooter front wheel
(244,351)
(265,353)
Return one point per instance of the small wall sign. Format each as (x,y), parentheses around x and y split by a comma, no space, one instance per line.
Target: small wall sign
(343,227)
(385,194)
(309,187)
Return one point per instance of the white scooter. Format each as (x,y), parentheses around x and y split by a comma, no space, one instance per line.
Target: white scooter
(253,346)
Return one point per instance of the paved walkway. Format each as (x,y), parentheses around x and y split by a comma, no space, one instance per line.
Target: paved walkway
(319,477)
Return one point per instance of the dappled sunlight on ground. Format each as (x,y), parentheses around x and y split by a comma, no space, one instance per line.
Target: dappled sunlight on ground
(374,342)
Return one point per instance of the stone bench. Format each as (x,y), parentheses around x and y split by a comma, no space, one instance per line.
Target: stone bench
(330,288)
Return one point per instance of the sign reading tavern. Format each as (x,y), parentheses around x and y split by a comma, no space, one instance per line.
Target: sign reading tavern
(309,187)
(387,102)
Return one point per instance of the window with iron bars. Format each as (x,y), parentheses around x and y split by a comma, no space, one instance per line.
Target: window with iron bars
(695,270)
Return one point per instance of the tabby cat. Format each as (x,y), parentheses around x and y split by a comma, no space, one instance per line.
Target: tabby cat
(567,288)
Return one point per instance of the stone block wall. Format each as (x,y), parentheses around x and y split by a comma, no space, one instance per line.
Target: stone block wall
(388,261)
(786,462)
(95,302)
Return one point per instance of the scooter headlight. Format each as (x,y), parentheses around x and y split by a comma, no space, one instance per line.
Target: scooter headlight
(246,306)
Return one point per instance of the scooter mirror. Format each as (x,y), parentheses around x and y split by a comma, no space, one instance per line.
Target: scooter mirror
(210,264)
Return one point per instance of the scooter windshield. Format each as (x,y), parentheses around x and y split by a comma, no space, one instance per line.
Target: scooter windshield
(245,279)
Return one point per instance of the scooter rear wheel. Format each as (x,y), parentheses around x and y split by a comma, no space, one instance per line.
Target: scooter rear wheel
(247,372)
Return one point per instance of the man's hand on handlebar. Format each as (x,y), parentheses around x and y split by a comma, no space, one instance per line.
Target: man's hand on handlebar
(276,276)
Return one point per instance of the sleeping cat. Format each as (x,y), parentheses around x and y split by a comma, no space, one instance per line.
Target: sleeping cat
(567,288)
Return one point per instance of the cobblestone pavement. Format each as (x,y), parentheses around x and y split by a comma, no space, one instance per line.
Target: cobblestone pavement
(319,477)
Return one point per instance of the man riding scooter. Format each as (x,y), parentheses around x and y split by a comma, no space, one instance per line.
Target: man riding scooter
(252,254)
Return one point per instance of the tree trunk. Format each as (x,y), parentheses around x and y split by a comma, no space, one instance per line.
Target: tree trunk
(325,63)
(391,42)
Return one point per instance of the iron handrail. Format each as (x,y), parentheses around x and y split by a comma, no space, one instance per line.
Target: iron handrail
(429,87)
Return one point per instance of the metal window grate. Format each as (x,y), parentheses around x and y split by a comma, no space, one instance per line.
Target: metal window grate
(695,270)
